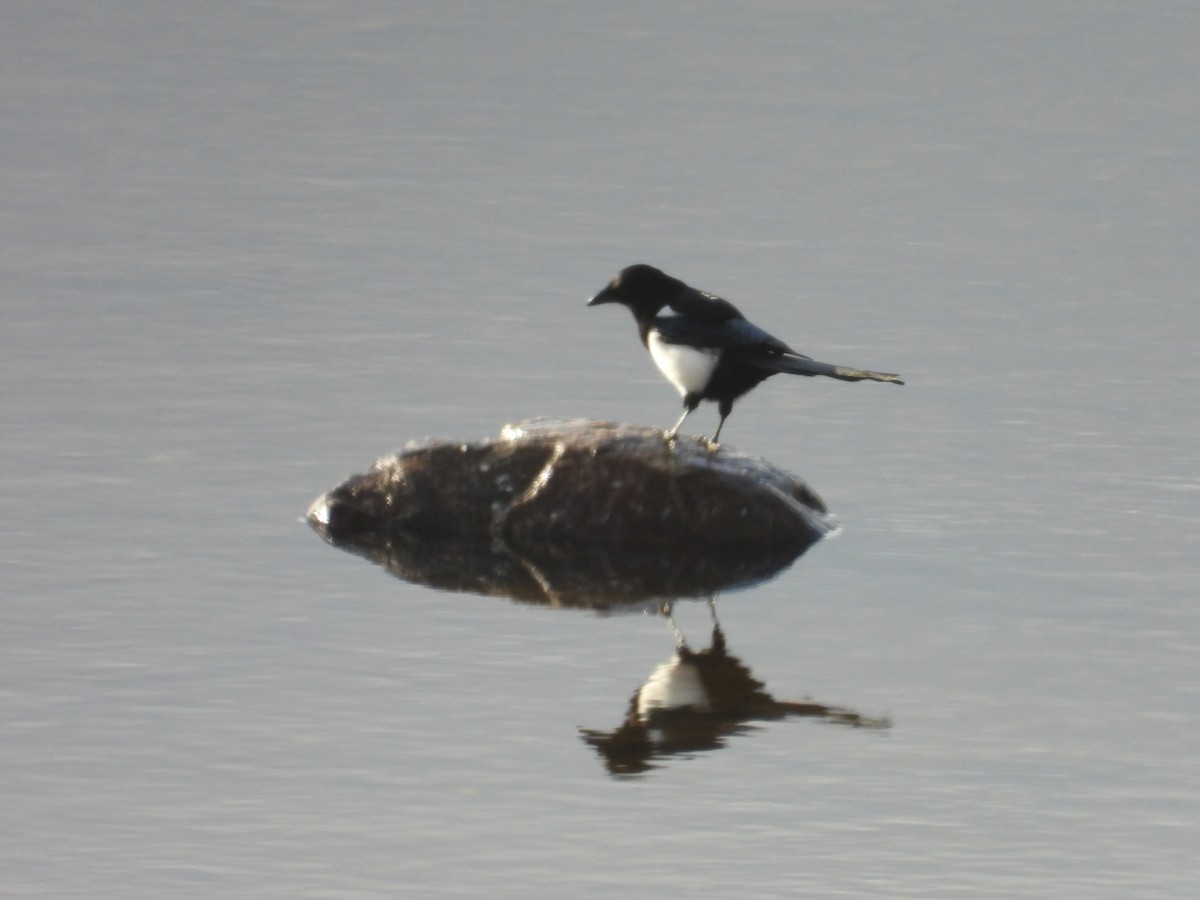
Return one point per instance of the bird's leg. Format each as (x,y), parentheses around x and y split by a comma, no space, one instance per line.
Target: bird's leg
(718,636)
(724,407)
(667,611)
(688,405)
(675,431)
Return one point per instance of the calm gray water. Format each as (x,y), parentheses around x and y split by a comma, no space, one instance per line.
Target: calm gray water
(247,248)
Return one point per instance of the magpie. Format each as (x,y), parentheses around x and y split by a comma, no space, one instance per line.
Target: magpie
(705,347)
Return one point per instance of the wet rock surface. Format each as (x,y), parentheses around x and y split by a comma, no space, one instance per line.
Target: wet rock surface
(576,513)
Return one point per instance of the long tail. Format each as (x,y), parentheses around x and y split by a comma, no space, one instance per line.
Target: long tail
(795,364)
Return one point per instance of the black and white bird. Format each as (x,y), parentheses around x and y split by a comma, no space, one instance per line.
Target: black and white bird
(705,346)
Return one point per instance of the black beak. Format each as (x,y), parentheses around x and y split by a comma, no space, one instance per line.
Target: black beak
(608,295)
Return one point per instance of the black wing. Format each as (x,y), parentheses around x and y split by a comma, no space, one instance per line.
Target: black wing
(729,334)
(703,307)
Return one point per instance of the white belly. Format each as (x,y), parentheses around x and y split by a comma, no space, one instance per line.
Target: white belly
(673,685)
(688,368)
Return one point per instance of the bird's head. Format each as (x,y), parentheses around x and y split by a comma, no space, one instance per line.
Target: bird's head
(642,288)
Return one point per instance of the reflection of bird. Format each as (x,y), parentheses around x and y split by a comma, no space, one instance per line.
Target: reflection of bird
(694,702)
(706,348)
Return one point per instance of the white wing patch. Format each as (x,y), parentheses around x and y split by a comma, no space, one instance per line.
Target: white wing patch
(688,368)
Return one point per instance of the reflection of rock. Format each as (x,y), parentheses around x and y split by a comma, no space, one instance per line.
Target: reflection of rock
(575,513)
(694,702)
(596,578)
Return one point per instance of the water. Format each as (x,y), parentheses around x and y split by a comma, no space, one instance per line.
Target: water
(248,248)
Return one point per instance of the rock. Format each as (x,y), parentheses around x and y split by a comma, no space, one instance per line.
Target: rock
(574,512)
